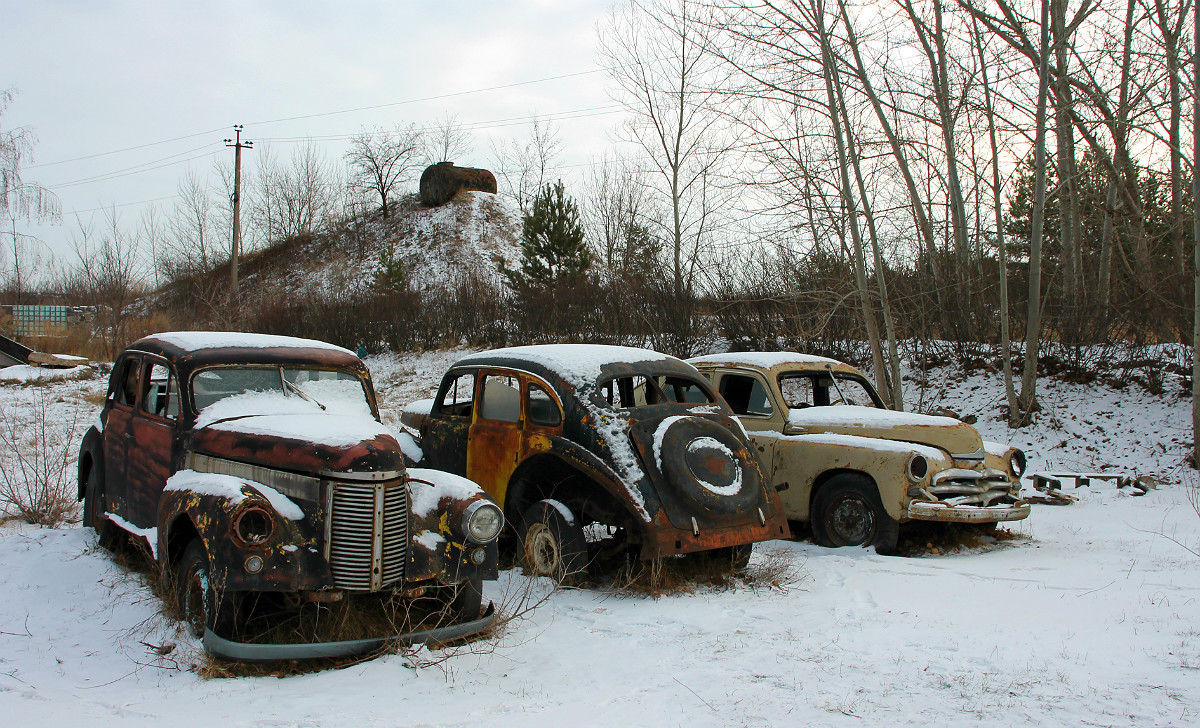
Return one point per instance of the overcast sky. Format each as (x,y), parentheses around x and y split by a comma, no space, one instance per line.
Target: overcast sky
(133,93)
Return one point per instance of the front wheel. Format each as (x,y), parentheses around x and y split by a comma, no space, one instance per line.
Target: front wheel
(552,541)
(468,600)
(847,511)
(198,603)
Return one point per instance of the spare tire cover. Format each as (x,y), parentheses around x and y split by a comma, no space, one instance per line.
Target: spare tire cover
(707,465)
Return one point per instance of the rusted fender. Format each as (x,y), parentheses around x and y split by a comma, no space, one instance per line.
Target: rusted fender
(439,549)
(292,557)
(218,646)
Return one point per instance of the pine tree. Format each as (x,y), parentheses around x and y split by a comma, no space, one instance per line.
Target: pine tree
(552,246)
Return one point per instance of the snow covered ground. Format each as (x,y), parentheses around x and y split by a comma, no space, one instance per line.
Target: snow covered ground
(1091,617)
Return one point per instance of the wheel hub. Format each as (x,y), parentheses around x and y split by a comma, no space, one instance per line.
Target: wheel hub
(541,550)
(852,521)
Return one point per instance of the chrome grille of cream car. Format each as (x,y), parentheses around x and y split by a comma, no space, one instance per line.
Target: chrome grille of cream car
(368,534)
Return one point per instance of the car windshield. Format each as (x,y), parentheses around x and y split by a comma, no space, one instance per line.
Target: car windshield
(819,389)
(334,391)
(637,390)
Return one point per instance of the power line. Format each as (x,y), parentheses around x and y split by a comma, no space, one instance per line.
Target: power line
(326,113)
(136,169)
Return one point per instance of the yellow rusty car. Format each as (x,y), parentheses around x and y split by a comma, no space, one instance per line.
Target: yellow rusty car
(853,469)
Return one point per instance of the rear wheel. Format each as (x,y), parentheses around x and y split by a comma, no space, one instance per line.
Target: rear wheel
(95,506)
(552,542)
(847,511)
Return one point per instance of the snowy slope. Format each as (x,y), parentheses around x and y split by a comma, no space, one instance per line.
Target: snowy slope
(435,244)
(1090,618)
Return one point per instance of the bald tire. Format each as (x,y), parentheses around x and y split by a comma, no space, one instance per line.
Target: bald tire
(553,545)
(847,511)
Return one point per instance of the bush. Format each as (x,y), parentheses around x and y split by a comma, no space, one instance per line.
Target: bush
(37,450)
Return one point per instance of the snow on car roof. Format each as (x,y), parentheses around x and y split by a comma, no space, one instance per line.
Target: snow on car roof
(200,340)
(764,359)
(579,364)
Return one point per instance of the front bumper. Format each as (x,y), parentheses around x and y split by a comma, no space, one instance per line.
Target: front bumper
(946,513)
(218,646)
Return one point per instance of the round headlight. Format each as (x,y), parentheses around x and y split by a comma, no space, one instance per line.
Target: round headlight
(253,525)
(918,468)
(482,521)
(1016,464)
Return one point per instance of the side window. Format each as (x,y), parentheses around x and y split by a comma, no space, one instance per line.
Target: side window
(501,398)
(542,409)
(746,395)
(160,391)
(459,396)
(125,384)
(631,391)
(682,390)
(799,392)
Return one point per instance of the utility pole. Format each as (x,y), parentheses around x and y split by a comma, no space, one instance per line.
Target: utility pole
(237,145)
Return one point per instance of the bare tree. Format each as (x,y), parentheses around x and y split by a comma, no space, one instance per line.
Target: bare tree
(20,199)
(194,240)
(445,141)
(108,279)
(380,160)
(296,198)
(656,52)
(615,218)
(524,166)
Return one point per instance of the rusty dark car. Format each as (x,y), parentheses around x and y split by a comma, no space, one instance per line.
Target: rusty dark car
(594,450)
(257,466)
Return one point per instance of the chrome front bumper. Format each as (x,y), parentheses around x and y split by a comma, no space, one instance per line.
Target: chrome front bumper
(938,511)
(218,646)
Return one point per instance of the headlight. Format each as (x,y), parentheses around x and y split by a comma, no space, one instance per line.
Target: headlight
(253,525)
(482,521)
(918,468)
(1016,464)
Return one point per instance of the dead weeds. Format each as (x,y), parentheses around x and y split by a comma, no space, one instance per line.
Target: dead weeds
(770,568)
(937,539)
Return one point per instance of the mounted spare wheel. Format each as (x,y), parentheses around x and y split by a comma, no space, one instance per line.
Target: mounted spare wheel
(707,464)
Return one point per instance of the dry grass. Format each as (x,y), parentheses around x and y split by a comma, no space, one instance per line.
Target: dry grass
(935,539)
(770,567)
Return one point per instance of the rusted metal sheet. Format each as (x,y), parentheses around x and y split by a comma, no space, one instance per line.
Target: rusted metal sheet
(442,181)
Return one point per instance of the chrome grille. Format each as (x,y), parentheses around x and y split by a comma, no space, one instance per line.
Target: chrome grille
(368,534)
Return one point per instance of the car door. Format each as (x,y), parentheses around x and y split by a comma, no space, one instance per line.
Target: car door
(118,431)
(494,443)
(446,430)
(151,450)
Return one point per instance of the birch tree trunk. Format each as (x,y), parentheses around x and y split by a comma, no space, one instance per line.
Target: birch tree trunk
(1034,315)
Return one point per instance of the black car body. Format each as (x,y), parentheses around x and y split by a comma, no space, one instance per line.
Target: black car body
(576,440)
(255,464)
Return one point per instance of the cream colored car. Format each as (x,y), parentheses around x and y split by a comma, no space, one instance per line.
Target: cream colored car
(853,469)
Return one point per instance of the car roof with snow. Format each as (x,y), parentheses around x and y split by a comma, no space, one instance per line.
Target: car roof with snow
(580,365)
(200,348)
(773,360)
